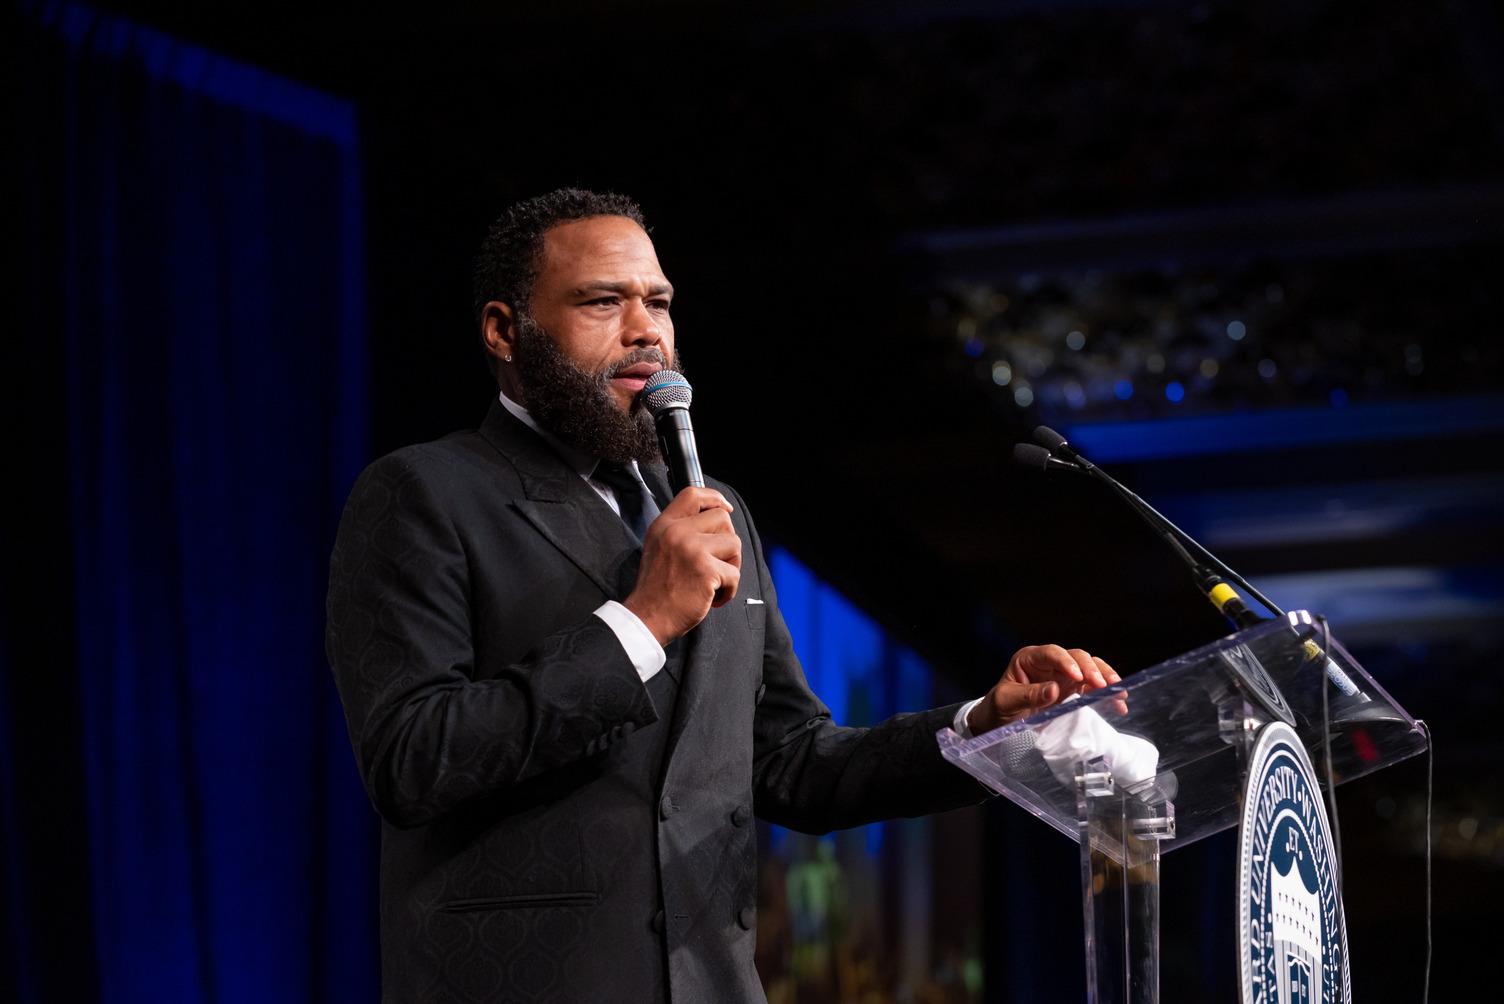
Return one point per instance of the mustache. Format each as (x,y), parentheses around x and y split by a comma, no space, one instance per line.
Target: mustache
(643,355)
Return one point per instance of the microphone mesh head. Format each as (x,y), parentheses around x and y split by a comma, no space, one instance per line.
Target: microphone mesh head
(1030,455)
(666,389)
(1048,438)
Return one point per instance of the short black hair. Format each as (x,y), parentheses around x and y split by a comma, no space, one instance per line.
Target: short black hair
(512,253)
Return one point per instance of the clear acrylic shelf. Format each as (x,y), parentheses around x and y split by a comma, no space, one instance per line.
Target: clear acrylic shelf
(1180,744)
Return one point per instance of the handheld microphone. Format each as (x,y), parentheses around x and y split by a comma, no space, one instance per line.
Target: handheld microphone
(667,395)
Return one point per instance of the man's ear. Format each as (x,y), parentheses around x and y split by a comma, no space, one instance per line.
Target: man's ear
(498,331)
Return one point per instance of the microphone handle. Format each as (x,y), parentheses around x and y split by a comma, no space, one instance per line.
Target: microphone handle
(676,438)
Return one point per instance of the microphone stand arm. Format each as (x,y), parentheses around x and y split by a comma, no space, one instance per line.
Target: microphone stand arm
(1208,570)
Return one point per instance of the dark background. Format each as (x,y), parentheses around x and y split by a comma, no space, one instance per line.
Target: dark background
(839,195)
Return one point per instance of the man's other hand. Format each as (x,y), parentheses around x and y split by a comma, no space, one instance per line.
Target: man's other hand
(691,561)
(1036,678)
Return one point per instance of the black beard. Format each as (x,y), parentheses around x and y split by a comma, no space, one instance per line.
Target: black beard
(577,405)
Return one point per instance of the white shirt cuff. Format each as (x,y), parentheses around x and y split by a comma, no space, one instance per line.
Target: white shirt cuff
(959,725)
(641,647)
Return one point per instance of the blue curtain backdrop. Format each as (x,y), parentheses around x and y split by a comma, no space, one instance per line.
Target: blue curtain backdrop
(182,816)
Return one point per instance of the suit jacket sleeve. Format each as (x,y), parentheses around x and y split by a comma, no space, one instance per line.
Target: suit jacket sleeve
(431,729)
(813,775)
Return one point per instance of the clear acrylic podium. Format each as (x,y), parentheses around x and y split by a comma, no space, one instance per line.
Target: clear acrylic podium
(1158,762)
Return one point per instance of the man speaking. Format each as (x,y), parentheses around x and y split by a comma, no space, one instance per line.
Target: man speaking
(568,689)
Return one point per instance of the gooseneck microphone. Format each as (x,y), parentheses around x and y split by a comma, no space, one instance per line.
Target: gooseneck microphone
(1039,459)
(1207,569)
(667,395)
(1211,575)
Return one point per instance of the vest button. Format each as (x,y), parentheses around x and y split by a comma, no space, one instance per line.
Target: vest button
(666,807)
(740,815)
(746,917)
(627,728)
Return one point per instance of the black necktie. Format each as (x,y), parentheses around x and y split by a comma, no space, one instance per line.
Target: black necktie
(637,507)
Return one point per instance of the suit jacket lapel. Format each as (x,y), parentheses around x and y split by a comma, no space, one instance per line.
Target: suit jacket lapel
(655,476)
(568,513)
(702,645)
(563,508)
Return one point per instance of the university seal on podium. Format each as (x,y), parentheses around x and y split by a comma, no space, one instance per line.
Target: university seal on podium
(1292,933)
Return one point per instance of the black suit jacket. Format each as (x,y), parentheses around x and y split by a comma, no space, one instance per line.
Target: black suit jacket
(488,709)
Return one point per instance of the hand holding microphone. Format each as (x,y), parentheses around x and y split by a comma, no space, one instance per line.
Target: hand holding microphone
(692,556)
